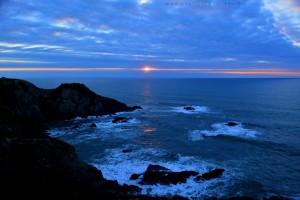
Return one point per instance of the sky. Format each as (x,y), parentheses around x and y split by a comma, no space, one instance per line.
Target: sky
(150,38)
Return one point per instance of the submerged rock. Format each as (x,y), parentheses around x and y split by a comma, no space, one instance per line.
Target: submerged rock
(136,107)
(127,150)
(156,174)
(216,173)
(135,176)
(189,108)
(231,124)
(119,120)
(76,126)
(93,125)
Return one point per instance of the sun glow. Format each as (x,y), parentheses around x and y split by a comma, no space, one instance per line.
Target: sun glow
(147,69)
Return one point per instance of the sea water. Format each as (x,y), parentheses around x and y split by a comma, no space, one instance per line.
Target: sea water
(260,155)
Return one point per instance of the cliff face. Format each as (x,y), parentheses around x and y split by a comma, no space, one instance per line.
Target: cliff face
(73,100)
(24,100)
(35,166)
(24,105)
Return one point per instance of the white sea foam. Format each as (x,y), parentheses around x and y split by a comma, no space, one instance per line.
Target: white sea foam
(108,124)
(119,166)
(197,109)
(104,130)
(222,129)
(195,135)
(57,132)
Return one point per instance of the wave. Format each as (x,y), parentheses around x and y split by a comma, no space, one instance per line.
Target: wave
(103,128)
(116,165)
(195,110)
(223,129)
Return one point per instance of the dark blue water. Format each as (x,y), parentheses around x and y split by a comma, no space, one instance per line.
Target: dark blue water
(261,155)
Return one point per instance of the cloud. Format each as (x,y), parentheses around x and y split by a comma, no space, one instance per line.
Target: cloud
(229,59)
(68,23)
(286,15)
(132,33)
(29,46)
(141,2)
(8,60)
(263,61)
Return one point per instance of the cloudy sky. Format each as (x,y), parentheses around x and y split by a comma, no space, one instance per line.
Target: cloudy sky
(167,38)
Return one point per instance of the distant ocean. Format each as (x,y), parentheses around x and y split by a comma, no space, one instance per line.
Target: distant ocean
(261,155)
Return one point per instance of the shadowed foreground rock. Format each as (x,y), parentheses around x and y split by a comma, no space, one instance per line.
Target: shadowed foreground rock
(36,166)
(45,168)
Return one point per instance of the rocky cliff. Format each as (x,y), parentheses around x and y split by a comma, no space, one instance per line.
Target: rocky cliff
(24,105)
(35,166)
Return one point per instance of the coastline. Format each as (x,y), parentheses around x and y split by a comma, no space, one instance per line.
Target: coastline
(46,166)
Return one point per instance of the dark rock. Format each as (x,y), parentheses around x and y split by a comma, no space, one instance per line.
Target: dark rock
(177,197)
(119,120)
(135,176)
(72,100)
(76,126)
(157,168)
(114,187)
(93,125)
(156,174)
(127,150)
(198,178)
(189,108)
(181,177)
(36,166)
(28,106)
(238,198)
(216,173)
(231,124)
(19,109)
(136,107)
(278,198)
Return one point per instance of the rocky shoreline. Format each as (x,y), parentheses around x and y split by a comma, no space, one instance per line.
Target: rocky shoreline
(36,166)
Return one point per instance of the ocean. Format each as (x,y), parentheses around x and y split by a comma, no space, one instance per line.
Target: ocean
(260,155)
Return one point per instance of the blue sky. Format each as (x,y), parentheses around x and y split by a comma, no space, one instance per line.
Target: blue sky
(173,38)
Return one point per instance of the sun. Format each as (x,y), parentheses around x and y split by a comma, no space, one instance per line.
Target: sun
(147,69)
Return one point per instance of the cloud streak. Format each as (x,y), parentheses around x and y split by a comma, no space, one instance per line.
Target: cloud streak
(149,69)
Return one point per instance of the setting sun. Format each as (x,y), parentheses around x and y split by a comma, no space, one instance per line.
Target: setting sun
(146,69)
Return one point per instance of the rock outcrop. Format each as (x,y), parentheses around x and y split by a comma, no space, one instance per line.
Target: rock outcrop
(216,173)
(189,108)
(36,166)
(45,168)
(156,174)
(76,100)
(117,120)
(231,124)
(21,100)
